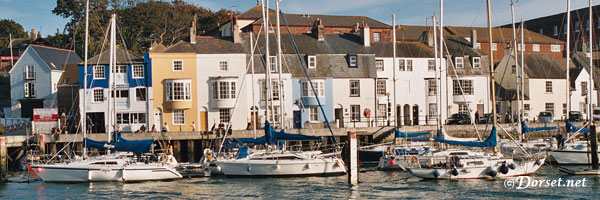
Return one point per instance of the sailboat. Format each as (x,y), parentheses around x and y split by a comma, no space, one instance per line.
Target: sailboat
(276,160)
(118,166)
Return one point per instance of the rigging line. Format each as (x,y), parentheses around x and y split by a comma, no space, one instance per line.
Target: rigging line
(307,76)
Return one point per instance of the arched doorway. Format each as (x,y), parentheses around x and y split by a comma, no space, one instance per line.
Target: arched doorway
(406,115)
(416,114)
(157,118)
(339,115)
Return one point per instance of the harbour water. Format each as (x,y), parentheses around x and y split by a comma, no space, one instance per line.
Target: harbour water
(374,185)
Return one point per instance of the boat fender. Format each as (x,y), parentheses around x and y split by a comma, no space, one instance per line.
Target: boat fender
(392,162)
(146,161)
(492,172)
(249,168)
(466,170)
(503,169)
(538,162)
(436,174)
(454,172)
(512,166)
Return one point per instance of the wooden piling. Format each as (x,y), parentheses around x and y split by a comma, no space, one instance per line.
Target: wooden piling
(177,149)
(190,150)
(594,146)
(351,158)
(3,160)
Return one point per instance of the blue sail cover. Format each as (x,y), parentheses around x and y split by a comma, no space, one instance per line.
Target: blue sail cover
(400,134)
(527,129)
(273,137)
(572,128)
(491,141)
(137,146)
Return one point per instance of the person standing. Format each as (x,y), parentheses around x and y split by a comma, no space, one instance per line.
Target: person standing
(193,126)
(89,124)
(165,127)
(153,128)
(477,117)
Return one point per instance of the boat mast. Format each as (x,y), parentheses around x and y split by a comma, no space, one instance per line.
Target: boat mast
(437,84)
(491,61)
(279,65)
(519,101)
(522,65)
(591,109)
(267,58)
(394,68)
(112,69)
(441,54)
(254,107)
(83,114)
(568,49)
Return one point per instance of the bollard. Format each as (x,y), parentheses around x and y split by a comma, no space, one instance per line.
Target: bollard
(42,144)
(352,158)
(3,160)
(594,146)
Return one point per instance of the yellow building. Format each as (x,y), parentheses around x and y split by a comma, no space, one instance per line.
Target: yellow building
(174,82)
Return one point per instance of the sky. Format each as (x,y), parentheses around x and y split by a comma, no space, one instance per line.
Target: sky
(37,14)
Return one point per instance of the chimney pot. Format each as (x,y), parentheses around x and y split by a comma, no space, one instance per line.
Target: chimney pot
(365,35)
(193,31)
(474,38)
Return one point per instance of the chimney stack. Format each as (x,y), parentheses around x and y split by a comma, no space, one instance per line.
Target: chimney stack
(236,30)
(39,35)
(429,37)
(32,35)
(473,38)
(57,32)
(319,29)
(365,35)
(193,31)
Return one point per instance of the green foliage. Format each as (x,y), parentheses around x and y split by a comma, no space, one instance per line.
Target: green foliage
(139,23)
(4,90)
(7,27)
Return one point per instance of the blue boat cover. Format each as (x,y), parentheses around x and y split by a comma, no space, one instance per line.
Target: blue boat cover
(121,144)
(491,141)
(527,129)
(418,139)
(572,128)
(242,153)
(274,137)
(400,134)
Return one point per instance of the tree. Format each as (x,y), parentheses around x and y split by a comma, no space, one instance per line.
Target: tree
(8,27)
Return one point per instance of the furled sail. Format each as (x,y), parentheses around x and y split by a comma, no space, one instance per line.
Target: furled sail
(400,134)
(571,128)
(121,144)
(491,141)
(527,129)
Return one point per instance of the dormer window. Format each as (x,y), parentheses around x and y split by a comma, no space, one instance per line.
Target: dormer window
(273,63)
(138,71)
(476,62)
(312,62)
(401,65)
(223,65)
(99,72)
(178,65)
(409,65)
(376,36)
(459,62)
(353,61)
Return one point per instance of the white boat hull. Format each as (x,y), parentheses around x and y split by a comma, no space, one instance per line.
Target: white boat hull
(526,168)
(571,157)
(248,167)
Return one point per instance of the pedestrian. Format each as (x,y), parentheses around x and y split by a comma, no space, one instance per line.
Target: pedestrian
(143,129)
(507,118)
(477,117)
(230,130)
(89,124)
(153,128)
(165,127)
(193,126)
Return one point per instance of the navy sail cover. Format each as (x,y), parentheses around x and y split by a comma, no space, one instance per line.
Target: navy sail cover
(527,129)
(400,134)
(121,144)
(491,141)
(571,128)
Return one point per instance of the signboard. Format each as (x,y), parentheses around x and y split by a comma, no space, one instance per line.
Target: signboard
(45,114)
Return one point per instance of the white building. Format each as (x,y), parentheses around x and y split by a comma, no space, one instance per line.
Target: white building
(34,78)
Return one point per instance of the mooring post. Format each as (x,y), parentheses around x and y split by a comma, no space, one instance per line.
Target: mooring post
(3,160)
(594,146)
(42,143)
(352,158)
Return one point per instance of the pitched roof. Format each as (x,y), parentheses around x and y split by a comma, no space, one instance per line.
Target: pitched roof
(459,46)
(308,44)
(403,49)
(206,45)
(328,65)
(70,76)
(123,57)
(542,66)
(500,35)
(410,32)
(309,19)
(55,58)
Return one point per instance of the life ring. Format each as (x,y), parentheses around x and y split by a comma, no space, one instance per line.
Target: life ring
(367,112)
(413,160)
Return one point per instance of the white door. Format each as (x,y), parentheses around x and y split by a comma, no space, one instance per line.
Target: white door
(157,118)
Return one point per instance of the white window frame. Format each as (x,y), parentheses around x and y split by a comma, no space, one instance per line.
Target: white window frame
(353,61)
(121,69)
(401,65)
(431,87)
(381,87)
(223,65)
(273,63)
(274,90)
(477,45)
(431,65)
(477,62)
(555,48)
(137,71)
(432,111)
(355,113)
(313,114)
(459,62)
(382,111)
(30,72)
(99,72)
(186,90)
(549,87)
(142,97)
(98,95)
(29,89)
(494,46)
(118,93)
(555,30)
(178,117)
(467,87)
(354,88)
(224,115)
(584,88)
(463,108)
(549,107)
(312,62)
(376,36)
(535,47)
(175,64)
(409,66)
(519,47)
(307,90)
(379,65)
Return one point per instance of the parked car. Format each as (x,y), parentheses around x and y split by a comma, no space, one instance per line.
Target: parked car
(545,117)
(487,118)
(575,116)
(596,113)
(459,118)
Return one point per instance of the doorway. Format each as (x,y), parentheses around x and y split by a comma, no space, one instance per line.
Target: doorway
(339,116)
(158,118)
(397,115)
(406,115)
(297,119)
(27,107)
(416,115)
(98,122)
